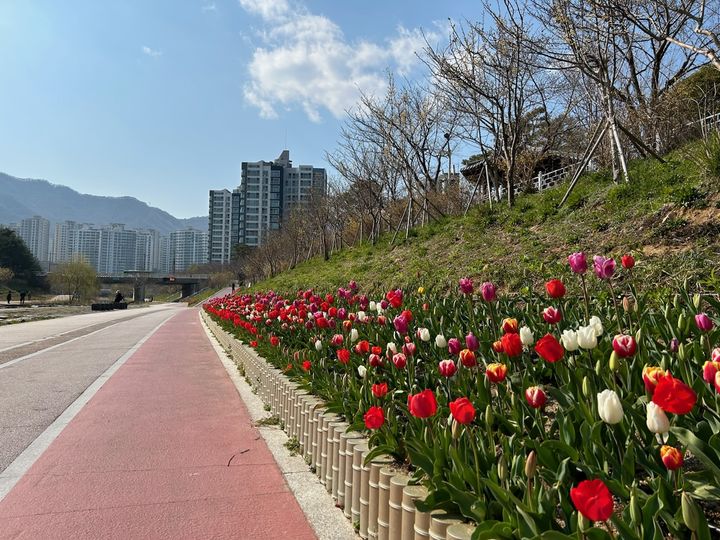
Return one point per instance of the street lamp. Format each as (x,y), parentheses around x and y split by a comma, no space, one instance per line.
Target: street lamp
(447,178)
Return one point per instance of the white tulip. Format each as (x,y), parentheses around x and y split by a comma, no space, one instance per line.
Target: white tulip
(440,341)
(424,334)
(569,340)
(318,345)
(362,371)
(609,407)
(361,316)
(597,325)
(379,309)
(391,347)
(526,336)
(657,422)
(372,306)
(354,335)
(586,337)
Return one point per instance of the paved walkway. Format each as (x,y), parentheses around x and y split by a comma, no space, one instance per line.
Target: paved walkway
(165,449)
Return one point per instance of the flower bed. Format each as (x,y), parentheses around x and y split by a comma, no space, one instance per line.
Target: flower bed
(533,415)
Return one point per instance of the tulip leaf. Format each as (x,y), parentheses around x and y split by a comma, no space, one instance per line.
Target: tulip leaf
(700,489)
(702,451)
(555,535)
(628,464)
(560,449)
(493,530)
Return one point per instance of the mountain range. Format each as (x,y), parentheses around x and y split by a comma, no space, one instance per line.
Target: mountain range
(22,198)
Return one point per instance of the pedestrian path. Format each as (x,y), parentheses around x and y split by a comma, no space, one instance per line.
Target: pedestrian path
(165,449)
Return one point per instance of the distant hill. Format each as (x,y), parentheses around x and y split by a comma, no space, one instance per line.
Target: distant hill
(21,198)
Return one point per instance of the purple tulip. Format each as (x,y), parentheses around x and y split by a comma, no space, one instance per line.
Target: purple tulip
(578,262)
(604,267)
(489,291)
(401,324)
(454,346)
(471,342)
(342,313)
(353,285)
(384,304)
(674,345)
(703,322)
(364,302)
(466,285)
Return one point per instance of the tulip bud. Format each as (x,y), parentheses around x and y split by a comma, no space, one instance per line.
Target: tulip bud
(689,512)
(681,323)
(635,512)
(455,429)
(598,368)
(681,351)
(628,304)
(362,371)
(696,300)
(318,345)
(440,341)
(531,464)
(609,407)
(488,416)
(502,469)
(674,345)
(586,388)
(354,335)
(614,361)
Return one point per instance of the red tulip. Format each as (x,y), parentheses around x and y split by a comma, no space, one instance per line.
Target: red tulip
(466,285)
(274,341)
(409,349)
(375,360)
(549,348)
(306,365)
(379,390)
(336,340)
(400,360)
(395,298)
(496,372)
(555,288)
(535,397)
(674,396)
(497,346)
(374,417)
(552,315)
(462,410)
(253,344)
(447,368)
(593,500)
(510,326)
(468,359)
(453,346)
(376,349)
(651,376)
(511,345)
(362,347)
(671,457)
(422,405)
(710,368)
(627,261)
(624,345)
(343,356)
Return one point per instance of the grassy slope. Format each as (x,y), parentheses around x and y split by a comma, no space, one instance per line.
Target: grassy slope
(668,216)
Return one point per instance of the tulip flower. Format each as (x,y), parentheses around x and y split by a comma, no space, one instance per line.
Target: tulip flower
(401,324)
(496,372)
(609,407)
(674,396)
(274,341)
(497,346)
(395,298)
(552,315)
(717,382)
(526,336)
(489,291)
(671,457)
(453,346)
(511,345)
(374,417)
(510,326)
(361,316)
(471,342)
(657,421)
(255,344)
(421,290)
(466,285)
(306,365)
(715,355)
(462,410)
(624,345)
(409,348)
(447,368)
(354,335)
(586,337)
(343,356)
(555,288)
(674,345)
(336,340)
(362,371)
(379,390)
(593,499)
(535,396)
(604,267)
(363,347)
(627,261)
(597,325)
(422,405)
(468,358)
(440,341)
(391,347)
(710,368)
(651,376)
(578,262)
(703,322)
(570,340)
(424,334)
(375,360)
(400,360)
(549,348)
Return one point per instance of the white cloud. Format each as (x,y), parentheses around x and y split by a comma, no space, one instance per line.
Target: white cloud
(208,7)
(306,61)
(151,52)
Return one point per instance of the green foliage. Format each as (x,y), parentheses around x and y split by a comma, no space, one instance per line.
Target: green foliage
(16,256)
(76,278)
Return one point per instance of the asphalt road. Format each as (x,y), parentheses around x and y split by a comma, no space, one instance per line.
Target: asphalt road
(46,365)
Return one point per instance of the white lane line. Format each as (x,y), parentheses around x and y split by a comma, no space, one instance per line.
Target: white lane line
(11,476)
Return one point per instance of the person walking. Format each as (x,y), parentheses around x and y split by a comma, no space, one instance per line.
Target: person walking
(22,297)
(9,296)
(118,297)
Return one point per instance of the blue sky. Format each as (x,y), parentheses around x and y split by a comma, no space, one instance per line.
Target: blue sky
(163,99)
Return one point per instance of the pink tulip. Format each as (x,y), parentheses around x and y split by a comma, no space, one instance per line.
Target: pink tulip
(447,368)
(401,324)
(578,262)
(454,346)
(703,322)
(624,345)
(489,291)
(604,267)
(399,360)
(466,285)
(471,342)
(409,349)
(552,315)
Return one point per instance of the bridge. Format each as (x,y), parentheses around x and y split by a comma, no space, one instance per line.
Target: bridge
(190,283)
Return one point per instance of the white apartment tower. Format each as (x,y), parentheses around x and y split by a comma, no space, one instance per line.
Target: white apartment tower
(35,232)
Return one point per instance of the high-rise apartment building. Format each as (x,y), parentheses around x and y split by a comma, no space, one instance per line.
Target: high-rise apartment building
(268,191)
(35,232)
(188,247)
(147,250)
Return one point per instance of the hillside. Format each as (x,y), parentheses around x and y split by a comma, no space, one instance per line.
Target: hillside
(23,198)
(668,215)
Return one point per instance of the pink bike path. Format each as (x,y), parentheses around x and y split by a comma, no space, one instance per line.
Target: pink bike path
(165,449)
